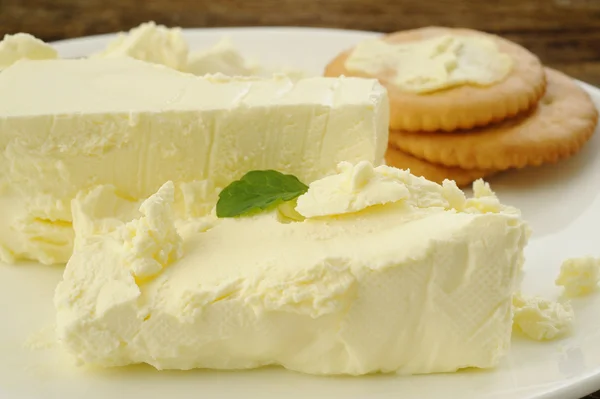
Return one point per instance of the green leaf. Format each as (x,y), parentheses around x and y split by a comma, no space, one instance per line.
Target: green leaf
(258,190)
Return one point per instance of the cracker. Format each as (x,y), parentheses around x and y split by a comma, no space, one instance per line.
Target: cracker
(461,107)
(433,172)
(557,128)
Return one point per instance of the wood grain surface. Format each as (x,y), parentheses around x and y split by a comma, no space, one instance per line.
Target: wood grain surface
(565,34)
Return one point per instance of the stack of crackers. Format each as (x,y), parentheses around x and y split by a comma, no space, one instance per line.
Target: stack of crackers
(535,115)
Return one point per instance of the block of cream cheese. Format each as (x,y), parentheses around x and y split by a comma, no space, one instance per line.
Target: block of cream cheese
(70,125)
(402,275)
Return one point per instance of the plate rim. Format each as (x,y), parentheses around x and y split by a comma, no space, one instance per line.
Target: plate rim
(217,29)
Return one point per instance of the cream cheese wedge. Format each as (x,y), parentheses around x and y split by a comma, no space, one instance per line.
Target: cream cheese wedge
(71,125)
(419,282)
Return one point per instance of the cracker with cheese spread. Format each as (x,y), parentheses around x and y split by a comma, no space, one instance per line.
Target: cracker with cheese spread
(447,79)
(557,128)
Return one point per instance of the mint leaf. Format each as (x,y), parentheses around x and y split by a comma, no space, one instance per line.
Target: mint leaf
(258,190)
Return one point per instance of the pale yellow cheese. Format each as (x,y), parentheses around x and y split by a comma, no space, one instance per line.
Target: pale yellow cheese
(414,285)
(23,46)
(151,43)
(579,276)
(433,64)
(151,242)
(134,125)
(223,58)
(542,319)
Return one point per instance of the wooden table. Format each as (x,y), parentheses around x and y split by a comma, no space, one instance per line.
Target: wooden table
(565,34)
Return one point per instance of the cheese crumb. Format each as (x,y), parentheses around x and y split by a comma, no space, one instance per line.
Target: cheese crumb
(152,242)
(542,319)
(225,58)
(579,276)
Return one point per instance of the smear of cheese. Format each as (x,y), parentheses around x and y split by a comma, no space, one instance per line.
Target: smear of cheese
(433,64)
(357,187)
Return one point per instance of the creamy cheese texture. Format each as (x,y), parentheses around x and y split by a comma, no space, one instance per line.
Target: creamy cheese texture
(417,284)
(152,242)
(354,189)
(224,57)
(23,46)
(357,187)
(433,64)
(542,319)
(134,125)
(579,276)
(151,43)
(166,46)
(100,210)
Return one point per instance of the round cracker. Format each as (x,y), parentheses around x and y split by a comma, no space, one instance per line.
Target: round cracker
(433,172)
(557,128)
(460,107)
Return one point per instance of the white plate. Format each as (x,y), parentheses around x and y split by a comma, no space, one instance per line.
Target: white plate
(562,202)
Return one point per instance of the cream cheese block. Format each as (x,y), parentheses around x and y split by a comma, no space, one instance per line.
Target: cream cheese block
(71,125)
(404,276)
